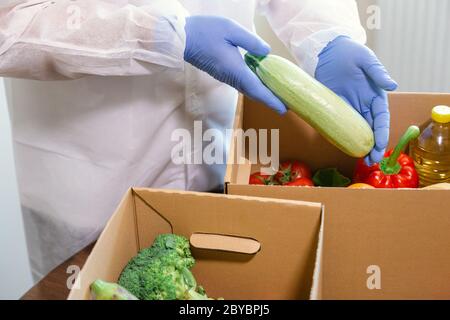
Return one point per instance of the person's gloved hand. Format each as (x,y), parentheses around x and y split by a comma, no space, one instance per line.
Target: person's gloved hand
(212,46)
(353,72)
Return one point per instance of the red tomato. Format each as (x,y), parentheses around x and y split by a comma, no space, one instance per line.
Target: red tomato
(262,179)
(302,182)
(291,171)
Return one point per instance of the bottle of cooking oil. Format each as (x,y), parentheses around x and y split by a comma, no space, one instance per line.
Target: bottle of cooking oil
(431,151)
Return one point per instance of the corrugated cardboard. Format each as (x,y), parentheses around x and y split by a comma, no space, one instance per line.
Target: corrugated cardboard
(245,248)
(399,238)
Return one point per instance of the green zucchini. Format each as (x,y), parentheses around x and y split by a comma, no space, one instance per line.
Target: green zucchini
(325,111)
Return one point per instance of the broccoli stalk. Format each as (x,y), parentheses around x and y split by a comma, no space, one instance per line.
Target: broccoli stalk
(102,290)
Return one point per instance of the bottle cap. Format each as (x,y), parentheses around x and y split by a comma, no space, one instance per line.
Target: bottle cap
(441,114)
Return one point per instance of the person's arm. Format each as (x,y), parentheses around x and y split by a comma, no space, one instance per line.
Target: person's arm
(307,26)
(64,39)
(212,45)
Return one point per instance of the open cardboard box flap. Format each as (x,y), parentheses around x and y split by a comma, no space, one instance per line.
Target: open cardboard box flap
(400,237)
(246,248)
(299,141)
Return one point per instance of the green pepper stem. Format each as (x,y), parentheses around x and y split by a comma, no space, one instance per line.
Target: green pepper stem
(390,165)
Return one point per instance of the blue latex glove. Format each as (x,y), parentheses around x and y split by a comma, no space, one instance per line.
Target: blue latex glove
(353,72)
(212,46)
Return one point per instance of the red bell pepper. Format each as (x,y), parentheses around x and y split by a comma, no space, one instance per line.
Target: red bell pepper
(291,171)
(396,170)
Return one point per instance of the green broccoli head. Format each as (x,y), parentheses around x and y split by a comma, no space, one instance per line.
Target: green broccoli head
(173,242)
(167,278)
(164,277)
(162,271)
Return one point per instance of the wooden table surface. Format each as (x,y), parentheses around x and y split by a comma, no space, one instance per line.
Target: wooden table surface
(53,286)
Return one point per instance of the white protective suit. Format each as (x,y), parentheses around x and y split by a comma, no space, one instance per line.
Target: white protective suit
(82,142)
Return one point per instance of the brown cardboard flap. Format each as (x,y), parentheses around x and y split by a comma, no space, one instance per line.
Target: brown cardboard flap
(412,108)
(242,171)
(112,251)
(219,242)
(150,222)
(232,152)
(317,285)
(287,231)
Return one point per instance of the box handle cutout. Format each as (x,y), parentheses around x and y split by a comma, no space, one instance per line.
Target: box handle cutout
(226,243)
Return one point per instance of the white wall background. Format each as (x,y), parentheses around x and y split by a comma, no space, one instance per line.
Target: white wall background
(412,42)
(15,274)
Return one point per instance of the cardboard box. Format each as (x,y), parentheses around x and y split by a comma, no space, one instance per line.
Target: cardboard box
(378,244)
(245,248)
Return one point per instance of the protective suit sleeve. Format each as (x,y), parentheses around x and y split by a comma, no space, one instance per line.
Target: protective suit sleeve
(67,39)
(307,26)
